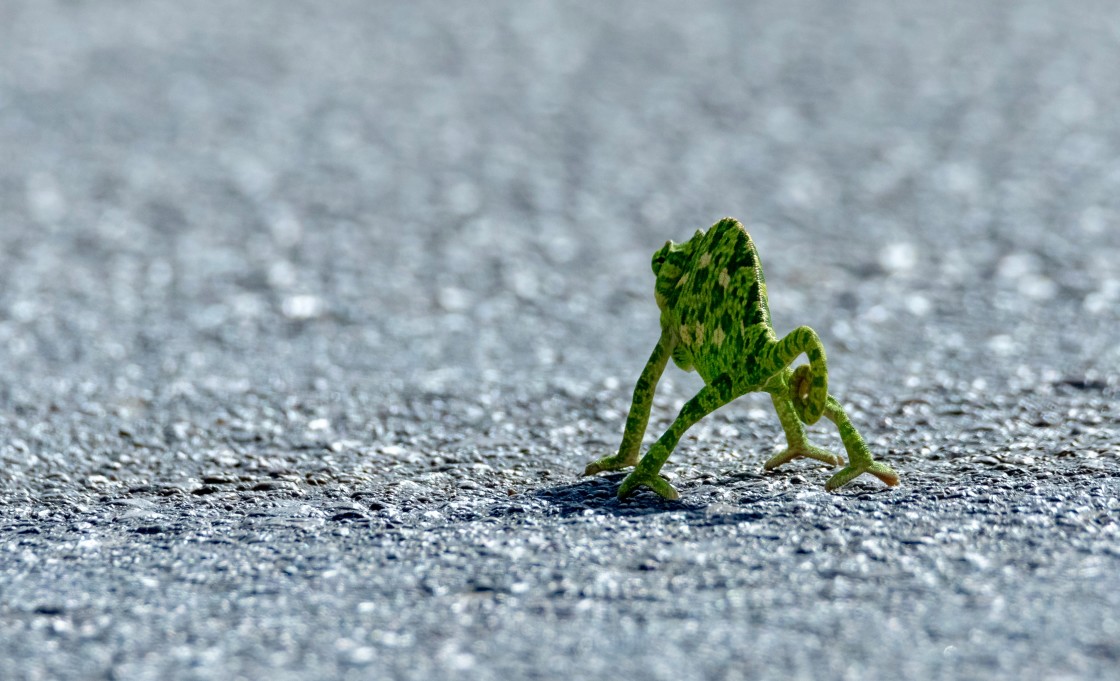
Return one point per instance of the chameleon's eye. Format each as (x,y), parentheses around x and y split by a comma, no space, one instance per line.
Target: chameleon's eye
(661,257)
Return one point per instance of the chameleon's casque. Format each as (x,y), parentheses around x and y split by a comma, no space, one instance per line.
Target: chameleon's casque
(715,320)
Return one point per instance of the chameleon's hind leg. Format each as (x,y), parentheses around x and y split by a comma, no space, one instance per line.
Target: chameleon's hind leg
(705,402)
(859,456)
(796,437)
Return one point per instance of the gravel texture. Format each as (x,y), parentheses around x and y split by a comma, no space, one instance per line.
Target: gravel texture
(312,313)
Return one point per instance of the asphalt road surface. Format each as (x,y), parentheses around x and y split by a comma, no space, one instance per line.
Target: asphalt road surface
(311,314)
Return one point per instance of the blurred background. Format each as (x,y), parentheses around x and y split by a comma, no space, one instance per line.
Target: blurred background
(233,194)
(311,313)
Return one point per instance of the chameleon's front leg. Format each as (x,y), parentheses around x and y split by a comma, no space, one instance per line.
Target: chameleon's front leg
(639,412)
(710,398)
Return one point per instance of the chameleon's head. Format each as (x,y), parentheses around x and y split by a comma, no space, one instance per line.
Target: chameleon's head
(669,263)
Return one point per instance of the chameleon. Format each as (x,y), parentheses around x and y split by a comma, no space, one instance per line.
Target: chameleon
(715,320)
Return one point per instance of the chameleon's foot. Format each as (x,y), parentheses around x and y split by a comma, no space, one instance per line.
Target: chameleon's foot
(610,463)
(655,482)
(852,471)
(805,450)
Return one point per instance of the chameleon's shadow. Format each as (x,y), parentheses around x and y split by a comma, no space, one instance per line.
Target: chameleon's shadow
(756,501)
(600,494)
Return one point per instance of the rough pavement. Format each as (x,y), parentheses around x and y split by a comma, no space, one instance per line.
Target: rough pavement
(311,314)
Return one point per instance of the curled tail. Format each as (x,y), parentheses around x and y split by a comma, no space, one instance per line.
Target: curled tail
(808,387)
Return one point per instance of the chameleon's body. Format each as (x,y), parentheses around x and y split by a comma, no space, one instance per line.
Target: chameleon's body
(715,319)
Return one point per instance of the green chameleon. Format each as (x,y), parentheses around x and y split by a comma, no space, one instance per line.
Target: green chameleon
(715,320)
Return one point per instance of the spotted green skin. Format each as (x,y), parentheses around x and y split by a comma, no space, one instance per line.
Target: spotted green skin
(715,320)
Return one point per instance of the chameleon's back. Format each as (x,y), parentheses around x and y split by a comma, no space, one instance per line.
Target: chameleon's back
(718,307)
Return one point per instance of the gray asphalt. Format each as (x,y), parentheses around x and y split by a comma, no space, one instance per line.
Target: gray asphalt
(311,315)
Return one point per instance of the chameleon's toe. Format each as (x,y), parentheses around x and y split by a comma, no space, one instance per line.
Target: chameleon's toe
(632,482)
(805,450)
(609,463)
(852,471)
